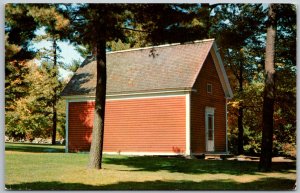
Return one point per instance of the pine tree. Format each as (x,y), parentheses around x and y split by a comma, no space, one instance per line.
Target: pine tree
(55,25)
(19,31)
(167,23)
(244,23)
(265,162)
(94,25)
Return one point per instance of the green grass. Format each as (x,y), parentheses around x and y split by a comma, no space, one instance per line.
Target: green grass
(31,147)
(46,167)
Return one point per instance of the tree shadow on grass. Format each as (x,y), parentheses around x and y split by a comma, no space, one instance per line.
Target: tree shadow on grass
(26,147)
(261,184)
(194,166)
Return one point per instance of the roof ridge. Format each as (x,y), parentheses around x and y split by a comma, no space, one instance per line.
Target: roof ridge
(160,46)
(201,65)
(176,67)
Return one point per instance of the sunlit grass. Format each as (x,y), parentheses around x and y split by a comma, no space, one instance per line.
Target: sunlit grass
(30,167)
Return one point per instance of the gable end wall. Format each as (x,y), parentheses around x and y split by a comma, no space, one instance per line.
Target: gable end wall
(201,99)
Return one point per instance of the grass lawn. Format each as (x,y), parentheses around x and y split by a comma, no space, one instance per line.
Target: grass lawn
(45,167)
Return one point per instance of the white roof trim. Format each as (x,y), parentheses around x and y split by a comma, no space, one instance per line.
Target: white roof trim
(109,97)
(159,46)
(221,71)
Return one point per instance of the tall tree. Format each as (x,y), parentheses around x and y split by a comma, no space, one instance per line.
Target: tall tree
(94,25)
(285,98)
(244,22)
(251,56)
(55,26)
(269,93)
(19,31)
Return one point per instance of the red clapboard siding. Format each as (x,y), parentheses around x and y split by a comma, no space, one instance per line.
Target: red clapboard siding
(201,99)
(132,125)
(81,115)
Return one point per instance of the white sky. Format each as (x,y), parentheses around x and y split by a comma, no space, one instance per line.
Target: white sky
(68,53)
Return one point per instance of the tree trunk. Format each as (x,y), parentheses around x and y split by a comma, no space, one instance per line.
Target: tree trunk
(98,127)
(54,123)
(240,131)
(265,163)
(54,102)
(241,114)
(206,16)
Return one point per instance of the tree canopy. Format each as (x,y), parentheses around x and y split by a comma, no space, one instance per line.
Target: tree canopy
(239,30)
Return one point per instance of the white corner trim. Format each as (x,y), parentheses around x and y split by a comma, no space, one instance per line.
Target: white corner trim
(142,153)
(221,71)
(188,124)
(67,128)
(226,125)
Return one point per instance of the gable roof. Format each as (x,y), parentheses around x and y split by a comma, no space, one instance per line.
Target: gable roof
(165,67)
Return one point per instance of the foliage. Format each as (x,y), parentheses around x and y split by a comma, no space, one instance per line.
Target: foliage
(29,97)
(19,28)
(124,26)
(56,27)
(75,64)
(33,114)
(18,36)
(94,25)
(237,20)
(285,80)
(61,117)
(244,61)
(252,97)
(97,24)
(168,23)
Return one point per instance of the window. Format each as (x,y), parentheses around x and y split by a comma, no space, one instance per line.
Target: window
(209,88)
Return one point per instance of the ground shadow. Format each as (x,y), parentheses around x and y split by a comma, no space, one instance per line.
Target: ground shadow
(261,184)
(170,164)
(43,148)
(194,166)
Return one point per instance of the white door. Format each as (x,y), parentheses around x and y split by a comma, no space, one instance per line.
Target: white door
(209,129)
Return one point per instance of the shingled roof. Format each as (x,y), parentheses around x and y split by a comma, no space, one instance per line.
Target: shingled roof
(166,67)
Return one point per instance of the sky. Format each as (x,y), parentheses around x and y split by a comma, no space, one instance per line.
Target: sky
(68,52)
